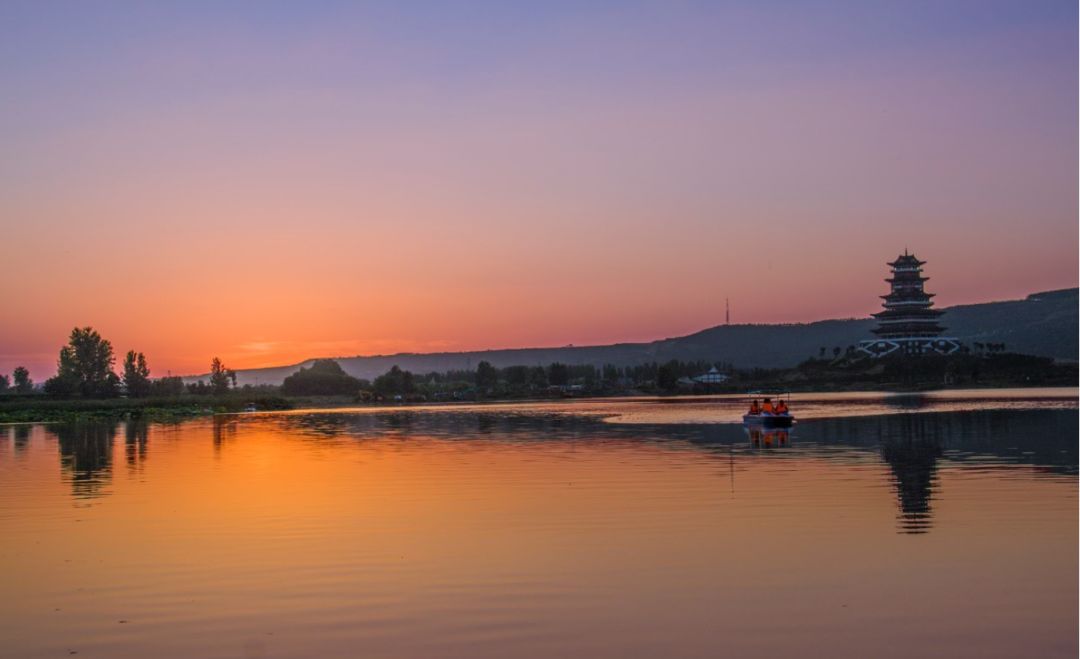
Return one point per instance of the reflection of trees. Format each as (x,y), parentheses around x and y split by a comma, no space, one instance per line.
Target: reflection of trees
(225,428)
(452,425)
(86,455)
(22,436)
(1045,439)
(136,432)
(911,450)
(485,424)
(400,423)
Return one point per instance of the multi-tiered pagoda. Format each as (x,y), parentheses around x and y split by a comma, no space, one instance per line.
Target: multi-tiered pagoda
(908,324)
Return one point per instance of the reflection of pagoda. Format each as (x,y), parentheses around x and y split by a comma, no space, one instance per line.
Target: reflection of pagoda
(913,461)
(912,444)
(908,324)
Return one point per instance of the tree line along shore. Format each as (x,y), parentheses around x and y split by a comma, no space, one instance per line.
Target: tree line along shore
(87,385)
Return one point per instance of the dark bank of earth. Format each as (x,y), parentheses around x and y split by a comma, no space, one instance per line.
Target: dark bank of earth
(41,409)
(847,371)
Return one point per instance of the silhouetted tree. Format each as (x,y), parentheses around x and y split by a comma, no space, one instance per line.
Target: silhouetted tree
(23,383)
(538,377)
(84,367)
(4,383)
(517,376)
(172,385)
(220,377)
(324,378)
(667,376)
(558,374)
(395,382)
(610,373)
(136,374)
(486,375)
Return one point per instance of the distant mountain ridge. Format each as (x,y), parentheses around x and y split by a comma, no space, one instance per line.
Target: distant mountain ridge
(1043,324)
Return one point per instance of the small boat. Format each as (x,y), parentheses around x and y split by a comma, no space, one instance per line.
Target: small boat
(764,419)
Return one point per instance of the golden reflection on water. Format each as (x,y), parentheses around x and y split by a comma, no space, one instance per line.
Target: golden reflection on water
(502,535)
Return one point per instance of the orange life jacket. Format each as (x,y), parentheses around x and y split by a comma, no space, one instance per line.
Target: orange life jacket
(767,407)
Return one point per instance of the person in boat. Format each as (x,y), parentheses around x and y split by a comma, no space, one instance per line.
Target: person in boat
(754,408)
(767,406)
(781,407)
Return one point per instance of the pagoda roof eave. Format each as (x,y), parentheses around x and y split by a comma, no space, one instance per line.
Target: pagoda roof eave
(906,259)
(915,315)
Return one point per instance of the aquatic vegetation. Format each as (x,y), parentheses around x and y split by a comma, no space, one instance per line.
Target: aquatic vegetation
(44,410)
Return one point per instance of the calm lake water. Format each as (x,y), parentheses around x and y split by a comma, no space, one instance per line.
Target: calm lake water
(941,525)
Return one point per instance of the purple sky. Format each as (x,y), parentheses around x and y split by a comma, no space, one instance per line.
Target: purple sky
(268,182)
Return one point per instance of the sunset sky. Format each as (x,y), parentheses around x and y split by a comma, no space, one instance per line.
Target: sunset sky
(268,182)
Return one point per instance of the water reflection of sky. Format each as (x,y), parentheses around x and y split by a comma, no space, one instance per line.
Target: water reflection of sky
(1036,437)
(913,443)
(444,520)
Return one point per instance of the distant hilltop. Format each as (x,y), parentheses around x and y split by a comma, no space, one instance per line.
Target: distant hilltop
(1042,324)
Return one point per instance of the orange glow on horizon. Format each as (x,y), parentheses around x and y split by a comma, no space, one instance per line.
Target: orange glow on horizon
(293,194)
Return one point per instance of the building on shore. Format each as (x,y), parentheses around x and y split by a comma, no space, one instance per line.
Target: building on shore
(908,324)
(712,377)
